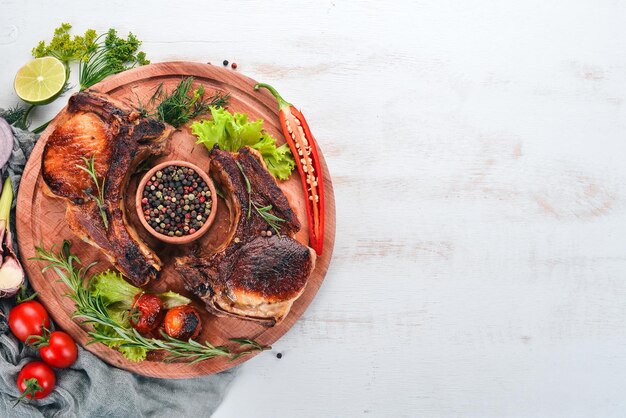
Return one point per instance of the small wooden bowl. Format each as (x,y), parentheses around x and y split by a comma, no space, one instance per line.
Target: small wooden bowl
(185,239)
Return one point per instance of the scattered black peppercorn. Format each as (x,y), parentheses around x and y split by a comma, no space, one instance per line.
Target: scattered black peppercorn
(225,63)
(172,199)
(279,355)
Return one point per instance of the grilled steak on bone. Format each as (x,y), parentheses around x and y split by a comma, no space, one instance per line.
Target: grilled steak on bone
(251,276)
(97,125)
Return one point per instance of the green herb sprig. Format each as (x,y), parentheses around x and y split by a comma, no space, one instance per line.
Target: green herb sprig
(182,104)
(64,47)
(107,330)
(264,211)
(251,344)
(272,220)
(15,115)
(90,169)
(109,56)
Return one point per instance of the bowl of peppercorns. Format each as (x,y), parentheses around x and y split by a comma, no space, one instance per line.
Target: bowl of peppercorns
(176,202)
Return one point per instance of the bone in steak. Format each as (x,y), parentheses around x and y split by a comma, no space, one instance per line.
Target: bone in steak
(95,125)
(251,276)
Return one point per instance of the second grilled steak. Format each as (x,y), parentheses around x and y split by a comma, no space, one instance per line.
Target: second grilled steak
(252,276)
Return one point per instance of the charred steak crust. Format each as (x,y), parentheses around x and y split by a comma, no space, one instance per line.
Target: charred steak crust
(271,267)
(119,139)
(251,276)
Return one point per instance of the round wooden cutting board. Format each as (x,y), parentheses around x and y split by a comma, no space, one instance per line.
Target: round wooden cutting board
(41,219)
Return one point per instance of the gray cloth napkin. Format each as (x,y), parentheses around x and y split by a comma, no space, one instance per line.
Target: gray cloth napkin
(90,387)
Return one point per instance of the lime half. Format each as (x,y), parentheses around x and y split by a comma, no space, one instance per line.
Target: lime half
(40,81)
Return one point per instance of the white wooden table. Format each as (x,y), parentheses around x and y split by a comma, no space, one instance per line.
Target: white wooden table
(477,150)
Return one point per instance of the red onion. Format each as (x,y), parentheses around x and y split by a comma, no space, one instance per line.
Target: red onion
(6,142)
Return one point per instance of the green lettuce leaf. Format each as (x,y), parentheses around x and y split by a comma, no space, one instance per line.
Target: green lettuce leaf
(111,287)
(279,160)
(133,353)
(121,317)
(172,299)
(231,132)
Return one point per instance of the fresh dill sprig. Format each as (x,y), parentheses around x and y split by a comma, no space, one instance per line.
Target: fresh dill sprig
(182,104)
(14,114)
(108,56)
(272,220)
(93,311)
(90,169)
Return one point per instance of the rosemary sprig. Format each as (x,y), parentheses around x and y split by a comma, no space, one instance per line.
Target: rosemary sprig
(248,188)
(182,104)
(90,169)
(272,220)
(92,311)
(244,342)
(176,349)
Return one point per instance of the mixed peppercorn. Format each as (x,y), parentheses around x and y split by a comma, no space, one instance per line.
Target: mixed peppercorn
(176,201)
(232,65)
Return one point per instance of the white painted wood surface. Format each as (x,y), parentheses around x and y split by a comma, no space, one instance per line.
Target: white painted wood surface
(477,150)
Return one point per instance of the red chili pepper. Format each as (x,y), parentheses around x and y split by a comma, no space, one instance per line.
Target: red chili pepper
(304,150)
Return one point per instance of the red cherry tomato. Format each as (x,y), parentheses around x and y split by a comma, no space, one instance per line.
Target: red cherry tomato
(147,313)
(183,322)
(36,380)
(28,319)
(61,350)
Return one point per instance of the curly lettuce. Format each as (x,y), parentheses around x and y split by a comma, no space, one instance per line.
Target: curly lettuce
(231,132)
(117,343)
(111,287)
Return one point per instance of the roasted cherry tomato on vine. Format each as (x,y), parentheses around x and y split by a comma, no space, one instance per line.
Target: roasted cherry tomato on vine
(28,319)
(56,348)
(182,322)
(36,380)
(147,313)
